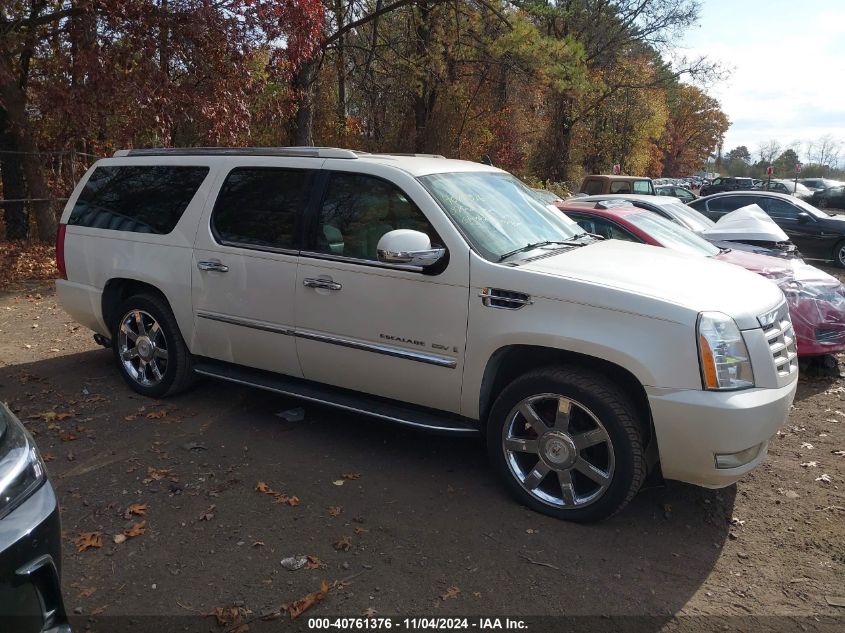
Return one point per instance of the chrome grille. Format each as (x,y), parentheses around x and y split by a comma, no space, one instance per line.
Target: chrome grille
(781,339)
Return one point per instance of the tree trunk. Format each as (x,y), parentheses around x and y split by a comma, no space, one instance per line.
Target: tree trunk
(13,100)
(426,94)
(303,85)
(340,69)
(14,187)
(553,161)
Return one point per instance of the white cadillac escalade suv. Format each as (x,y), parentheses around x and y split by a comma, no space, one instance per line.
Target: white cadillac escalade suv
(434,293)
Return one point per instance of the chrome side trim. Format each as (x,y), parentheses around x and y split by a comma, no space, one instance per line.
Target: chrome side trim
(295,394)
(255,325)
(363,262)
(387,350)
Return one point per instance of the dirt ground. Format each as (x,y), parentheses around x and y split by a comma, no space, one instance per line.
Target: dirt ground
(408,524)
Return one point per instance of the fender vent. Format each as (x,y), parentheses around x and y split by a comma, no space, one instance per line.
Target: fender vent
(504,299)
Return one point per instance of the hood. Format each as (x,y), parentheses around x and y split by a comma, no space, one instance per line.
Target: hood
(695,283)
(758,263)
(746,223)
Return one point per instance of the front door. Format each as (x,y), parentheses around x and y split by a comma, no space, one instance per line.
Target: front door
(806,233)
(244,268)
(374,327)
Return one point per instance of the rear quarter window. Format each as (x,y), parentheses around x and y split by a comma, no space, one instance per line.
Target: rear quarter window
(137,198)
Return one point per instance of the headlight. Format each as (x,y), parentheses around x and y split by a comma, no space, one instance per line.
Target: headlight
(722,354)
(21,468)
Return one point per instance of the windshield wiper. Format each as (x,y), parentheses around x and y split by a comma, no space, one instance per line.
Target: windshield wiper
(533,245)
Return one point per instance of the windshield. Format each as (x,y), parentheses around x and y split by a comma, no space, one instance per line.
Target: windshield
(688,216)
(496,212)
(672,235)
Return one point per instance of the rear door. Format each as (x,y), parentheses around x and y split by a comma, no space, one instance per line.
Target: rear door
(244,265)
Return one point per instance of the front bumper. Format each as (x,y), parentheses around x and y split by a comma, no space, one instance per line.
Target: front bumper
(30,551)
(693,426)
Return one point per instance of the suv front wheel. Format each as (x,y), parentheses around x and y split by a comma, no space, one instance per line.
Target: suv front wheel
(567,443)
(149,349)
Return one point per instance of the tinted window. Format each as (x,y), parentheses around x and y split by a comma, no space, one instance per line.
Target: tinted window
(620,187)
(141,199)
(593,187)
(780,209)
(357,210)
(261,206)
(730,203)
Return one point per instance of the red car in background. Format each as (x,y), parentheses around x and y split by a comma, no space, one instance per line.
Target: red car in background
(816,300)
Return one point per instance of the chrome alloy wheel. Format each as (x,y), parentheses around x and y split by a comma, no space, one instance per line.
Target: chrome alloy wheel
(142,348)
(558,451)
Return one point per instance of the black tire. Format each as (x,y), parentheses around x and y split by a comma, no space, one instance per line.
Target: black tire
(610,405)
(178,374)
(839,254)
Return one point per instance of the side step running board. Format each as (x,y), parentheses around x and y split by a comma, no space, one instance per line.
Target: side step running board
(409,415)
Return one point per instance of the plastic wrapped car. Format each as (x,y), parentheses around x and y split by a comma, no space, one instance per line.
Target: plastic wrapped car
(816,300)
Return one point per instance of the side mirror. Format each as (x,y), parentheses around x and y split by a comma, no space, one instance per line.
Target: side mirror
(408,248)
(803,217)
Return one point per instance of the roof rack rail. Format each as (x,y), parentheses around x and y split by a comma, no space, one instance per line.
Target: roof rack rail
(406,154)
(304,152)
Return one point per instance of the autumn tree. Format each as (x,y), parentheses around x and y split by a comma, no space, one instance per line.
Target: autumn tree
(157,72)
(695,129)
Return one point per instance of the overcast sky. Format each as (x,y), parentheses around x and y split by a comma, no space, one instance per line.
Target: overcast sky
(788,63)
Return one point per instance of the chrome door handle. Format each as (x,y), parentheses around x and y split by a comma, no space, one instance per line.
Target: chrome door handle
(216,267)
(326,284)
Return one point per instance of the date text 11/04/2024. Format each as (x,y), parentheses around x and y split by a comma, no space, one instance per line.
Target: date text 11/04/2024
(420,623)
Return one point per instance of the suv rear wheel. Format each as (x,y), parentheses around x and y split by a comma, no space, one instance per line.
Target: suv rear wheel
(567,443)
(148,347)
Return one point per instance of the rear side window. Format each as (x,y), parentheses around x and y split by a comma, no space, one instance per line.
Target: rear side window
(620,187)
(642,186)
(262,206)
(730,203)
(593,187)
(137,198)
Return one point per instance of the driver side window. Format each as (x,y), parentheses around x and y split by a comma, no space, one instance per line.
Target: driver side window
(357,210)
(780,209)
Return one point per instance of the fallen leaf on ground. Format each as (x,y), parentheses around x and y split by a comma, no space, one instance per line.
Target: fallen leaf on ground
(52,416)
(809,464)
(334,510)
(228,615)
(298,607)
(825,478)
(840,453)
(451,592)
(129,418)
(343,544)
(806,445)
(208,514)
(68,436)
(360,530)
(263,487)
(119,538)
(369,612)
(351,476)
(157,415)
(338,482)
(48,457)
(314,563)
(136,509)
(87,592)
(87,540)
(136,529)
(156,474)
(258,544)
